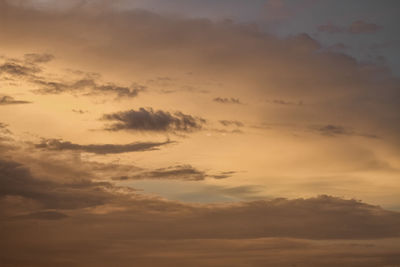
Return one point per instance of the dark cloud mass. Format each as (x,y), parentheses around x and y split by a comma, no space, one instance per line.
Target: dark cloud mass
(56,144)
(153,121)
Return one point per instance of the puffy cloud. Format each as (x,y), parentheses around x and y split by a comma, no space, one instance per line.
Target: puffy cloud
(153,121)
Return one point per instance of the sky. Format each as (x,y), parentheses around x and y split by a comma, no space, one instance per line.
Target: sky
(202,133)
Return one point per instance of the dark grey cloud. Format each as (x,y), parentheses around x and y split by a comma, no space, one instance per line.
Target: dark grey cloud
(8,100)
(57,144)
(225,100)
(153,121)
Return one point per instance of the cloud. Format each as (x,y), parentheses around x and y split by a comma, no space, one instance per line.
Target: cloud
(32,65)
(59,145)
(356,27)
(223,175)
(330,28)
(18,70)
(26,68)
(227,100)
(231,123)
(184,172)
(359,26)
(8,100)
(335,130)
(100,214)
(285,102)
(87,86)
(17,180)
(153,121)
(179,172)
(296,67)
(138,216)
(42,215)
(322,217)
(79,111)
(38,58)
(198,252)
(278,10)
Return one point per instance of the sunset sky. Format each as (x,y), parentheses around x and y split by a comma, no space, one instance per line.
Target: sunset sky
(199,133)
